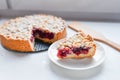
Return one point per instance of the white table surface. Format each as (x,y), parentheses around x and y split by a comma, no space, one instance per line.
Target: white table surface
(20,66)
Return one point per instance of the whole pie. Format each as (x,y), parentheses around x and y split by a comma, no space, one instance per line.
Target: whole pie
(19,34)
(79,45)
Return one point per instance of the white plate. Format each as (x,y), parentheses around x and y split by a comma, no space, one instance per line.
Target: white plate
(77,64)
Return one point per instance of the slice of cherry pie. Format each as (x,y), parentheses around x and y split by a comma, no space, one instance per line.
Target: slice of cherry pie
(78,46)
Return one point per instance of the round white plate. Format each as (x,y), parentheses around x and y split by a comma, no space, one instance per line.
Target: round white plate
(77,64)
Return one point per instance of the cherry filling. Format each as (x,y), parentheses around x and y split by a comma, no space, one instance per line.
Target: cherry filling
(43,34)
(63,52)
(80,50)
(75,50)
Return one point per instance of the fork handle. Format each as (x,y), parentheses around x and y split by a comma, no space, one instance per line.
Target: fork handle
(110,43)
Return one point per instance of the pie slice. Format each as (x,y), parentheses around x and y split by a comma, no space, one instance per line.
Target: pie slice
(80,45)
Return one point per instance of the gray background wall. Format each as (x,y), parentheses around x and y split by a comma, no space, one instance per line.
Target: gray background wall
(69,9)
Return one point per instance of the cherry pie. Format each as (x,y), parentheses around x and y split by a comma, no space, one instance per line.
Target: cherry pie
(19,34)
(78,46)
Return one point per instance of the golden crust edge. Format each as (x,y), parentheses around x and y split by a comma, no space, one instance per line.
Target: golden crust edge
(16,45)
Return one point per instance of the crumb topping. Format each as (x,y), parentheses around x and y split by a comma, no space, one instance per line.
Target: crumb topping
(78,40)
